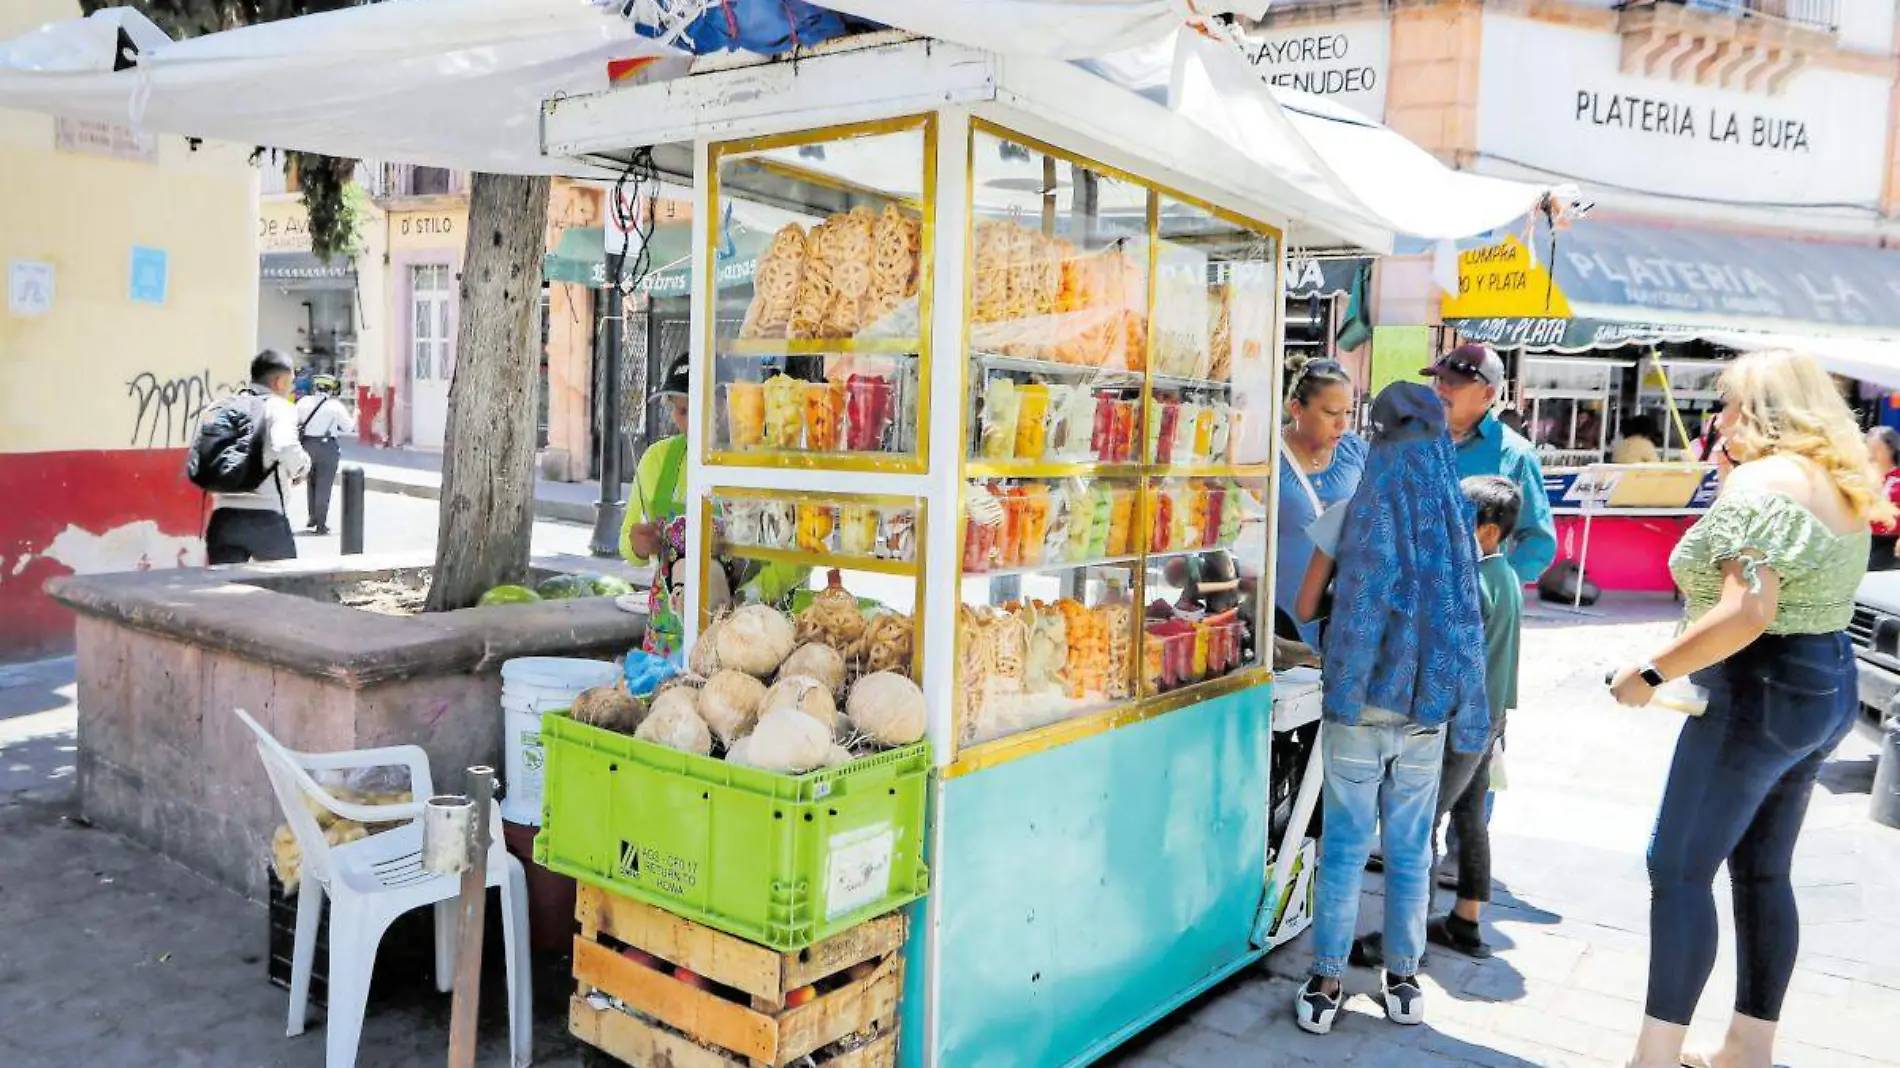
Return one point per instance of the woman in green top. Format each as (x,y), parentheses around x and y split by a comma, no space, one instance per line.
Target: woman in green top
(1769,576)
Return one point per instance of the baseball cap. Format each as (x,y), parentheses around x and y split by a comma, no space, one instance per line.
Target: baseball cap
(678,376)
(1469,363)
(1406,411)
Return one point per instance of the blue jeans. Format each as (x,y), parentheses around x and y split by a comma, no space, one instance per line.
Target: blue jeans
(1738,790)
(1380,773)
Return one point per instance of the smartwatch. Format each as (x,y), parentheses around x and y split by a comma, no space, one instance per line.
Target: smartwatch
(1650,676)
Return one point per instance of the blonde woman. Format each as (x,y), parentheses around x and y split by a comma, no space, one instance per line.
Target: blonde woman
(1769,576)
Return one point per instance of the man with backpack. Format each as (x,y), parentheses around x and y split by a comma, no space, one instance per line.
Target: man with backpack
(245,454)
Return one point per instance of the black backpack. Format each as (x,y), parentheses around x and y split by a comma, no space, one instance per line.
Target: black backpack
(228,454)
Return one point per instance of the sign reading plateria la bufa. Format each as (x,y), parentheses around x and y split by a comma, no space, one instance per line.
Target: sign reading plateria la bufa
(1555,99)
(1345,62)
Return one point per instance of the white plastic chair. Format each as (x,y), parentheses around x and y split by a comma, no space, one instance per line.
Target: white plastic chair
(374,880)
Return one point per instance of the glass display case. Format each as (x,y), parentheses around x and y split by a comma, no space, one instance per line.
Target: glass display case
(790,548)
(1202,580)
(1566,405)
(1120,379)
(1694,386)
(1057,311)
(1116,433)
(827,367)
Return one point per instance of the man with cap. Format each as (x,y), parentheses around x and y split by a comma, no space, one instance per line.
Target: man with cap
(321,420)
(655,526)
(659,482)
(1469,379)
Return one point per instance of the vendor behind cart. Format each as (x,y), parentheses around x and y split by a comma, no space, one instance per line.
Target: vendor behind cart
(655,528)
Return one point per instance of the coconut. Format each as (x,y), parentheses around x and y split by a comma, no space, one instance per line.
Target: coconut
(755,640)
(740,752)
(818,660)
(837,756)
(787,742)
(704,660)
(608,707)
(729,703)
(802,693)
(888,707)
(674,722)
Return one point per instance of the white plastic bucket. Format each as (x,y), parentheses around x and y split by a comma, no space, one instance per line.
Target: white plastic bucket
(531,685)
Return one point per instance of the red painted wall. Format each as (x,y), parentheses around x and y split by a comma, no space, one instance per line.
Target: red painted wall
(45,493)
(374,410)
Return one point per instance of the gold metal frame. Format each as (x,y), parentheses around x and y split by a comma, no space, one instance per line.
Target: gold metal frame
(843,562)
(1028,743)
(1137,708)
(918,460)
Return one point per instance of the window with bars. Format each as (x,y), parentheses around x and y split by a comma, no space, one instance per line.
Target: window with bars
(431,331)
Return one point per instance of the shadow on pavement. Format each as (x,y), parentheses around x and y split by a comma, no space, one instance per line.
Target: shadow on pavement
(38,769)
(1451,1048)
(1848,776)
(1521,911)
(32,688)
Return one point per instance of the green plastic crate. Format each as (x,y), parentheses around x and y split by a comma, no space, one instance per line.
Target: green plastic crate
(778,860)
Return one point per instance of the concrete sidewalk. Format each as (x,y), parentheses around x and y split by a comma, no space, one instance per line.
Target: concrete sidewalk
(111,956)
(418,473)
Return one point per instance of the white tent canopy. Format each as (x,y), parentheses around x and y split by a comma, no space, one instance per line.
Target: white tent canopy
(450,83)
(1874,360)
(460,83)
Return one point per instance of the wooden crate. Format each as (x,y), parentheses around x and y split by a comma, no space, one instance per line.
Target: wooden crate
(762,1034)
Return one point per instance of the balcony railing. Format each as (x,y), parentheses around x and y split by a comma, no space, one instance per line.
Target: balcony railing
(1823,15)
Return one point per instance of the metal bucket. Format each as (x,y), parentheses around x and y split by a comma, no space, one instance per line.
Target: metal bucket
(1885,806)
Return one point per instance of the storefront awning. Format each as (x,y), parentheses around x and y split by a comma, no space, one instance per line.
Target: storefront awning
(1322,277)
(1608,284)
(582,255)
(304,271)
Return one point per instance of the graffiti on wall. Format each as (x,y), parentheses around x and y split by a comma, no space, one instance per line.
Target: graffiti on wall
(169,408)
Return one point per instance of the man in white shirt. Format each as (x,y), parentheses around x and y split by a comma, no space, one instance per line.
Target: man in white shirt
(252,526)
(321,419)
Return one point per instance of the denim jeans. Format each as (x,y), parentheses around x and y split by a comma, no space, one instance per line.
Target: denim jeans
(1738,791)
(1383,773)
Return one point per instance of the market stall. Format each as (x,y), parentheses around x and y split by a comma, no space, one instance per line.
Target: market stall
(1005,375)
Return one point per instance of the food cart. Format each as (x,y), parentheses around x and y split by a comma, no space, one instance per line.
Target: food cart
(1620,521)
(1007,369)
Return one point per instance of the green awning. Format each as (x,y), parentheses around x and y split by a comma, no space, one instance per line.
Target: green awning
(581,258)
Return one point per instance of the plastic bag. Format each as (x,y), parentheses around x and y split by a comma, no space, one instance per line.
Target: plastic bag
(767,27)
(643,672)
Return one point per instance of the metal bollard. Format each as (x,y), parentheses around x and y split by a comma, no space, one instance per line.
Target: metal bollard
(1885,804)
(352,509)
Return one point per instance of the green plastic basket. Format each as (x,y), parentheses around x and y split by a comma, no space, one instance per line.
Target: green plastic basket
(778,860)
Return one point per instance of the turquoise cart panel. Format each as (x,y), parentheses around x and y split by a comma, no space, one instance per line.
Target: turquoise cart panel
(1085,891)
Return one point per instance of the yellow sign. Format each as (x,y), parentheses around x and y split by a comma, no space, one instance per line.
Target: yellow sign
(1501,281)
(283,225)
(437,228)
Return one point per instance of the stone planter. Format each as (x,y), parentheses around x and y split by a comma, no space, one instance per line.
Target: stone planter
(164,656)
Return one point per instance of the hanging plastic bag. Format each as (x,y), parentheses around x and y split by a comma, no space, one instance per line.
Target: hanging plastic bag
(766,27)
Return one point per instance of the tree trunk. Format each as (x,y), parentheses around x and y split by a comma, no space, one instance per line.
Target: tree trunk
(487,514)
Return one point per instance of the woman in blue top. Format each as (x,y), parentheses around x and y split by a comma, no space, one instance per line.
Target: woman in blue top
(1320,464)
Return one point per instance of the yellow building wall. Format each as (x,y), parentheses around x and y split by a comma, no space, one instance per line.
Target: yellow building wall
(97,370)
(99,393)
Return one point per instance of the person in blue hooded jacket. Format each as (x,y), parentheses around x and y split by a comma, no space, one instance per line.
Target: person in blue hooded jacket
(1405,676)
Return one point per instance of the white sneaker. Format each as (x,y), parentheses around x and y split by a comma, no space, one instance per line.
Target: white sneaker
(1314,1009)
(1404,999)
